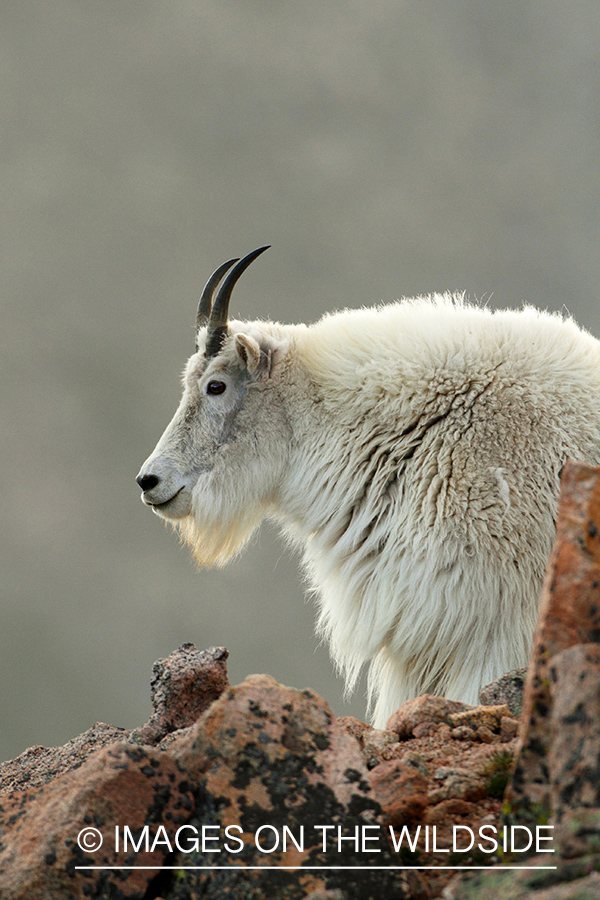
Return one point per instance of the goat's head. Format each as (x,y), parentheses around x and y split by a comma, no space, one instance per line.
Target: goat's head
(216,469)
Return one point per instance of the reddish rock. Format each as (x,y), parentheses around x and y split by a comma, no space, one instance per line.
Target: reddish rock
(271,756)
(326,895)
(578,833)
(39,765)
(381,746)
(463,733)
(451,811)
(401,790)
(359,730)
(508,728)
(416,760)
(569,616)
(119,785)
(426,710)
(574,754)
(183,686)
(423,729)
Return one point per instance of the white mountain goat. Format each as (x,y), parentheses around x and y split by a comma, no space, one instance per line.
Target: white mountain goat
(413,450)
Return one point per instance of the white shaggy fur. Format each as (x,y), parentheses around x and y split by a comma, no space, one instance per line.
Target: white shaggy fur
(414,452)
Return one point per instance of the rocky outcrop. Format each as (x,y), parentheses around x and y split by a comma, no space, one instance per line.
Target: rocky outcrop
(45,833)
(556,776)
(266,777)
(182,687)
(259,791)
(558,762)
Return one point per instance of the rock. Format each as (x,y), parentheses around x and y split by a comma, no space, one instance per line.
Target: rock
(326,895)
(508,728)
(450,810)
(426,710)
(39,765)
(359,730)
(463,733)
(570,881)
(401,791)
(505,690)
(380,746)
(487,717)
(120,784)
(269,756)
(578,833)
(574,754)
(569,617)
(424,729)
(183,686)
(485,735)
(410,758)
(428,715)
(377,746)
(457,783)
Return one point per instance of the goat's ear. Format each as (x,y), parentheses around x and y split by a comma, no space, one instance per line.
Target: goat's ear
(249,352)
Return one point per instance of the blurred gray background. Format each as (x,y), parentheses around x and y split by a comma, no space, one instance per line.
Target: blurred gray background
(384,148)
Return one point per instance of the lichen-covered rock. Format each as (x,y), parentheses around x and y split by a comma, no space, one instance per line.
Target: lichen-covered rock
(569,616)
(457,783)
(509,728)
(359,730)
(271,757)
(121,784)
(578,833)
(381,746)
(574,754)
(505,690)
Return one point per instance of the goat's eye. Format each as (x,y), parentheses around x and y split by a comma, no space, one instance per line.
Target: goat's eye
(215,387)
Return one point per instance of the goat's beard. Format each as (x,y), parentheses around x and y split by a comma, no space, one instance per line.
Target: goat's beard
(214,540)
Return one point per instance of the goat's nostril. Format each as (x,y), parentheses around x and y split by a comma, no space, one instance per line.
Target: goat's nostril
(147,482)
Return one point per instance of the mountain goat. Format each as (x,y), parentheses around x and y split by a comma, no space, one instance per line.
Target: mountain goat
(413,450)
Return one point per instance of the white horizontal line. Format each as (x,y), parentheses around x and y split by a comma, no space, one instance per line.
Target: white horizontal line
(304,868)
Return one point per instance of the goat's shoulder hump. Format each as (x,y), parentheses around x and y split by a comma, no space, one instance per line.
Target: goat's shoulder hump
(439,331)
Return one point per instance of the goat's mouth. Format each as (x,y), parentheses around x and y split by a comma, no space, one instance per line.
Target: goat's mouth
(173,507)
(164,502)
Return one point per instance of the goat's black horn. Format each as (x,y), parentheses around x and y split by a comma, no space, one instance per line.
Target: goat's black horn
(217,323)
(205,304)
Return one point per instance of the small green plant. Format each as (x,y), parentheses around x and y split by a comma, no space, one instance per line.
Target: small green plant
(497,770)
